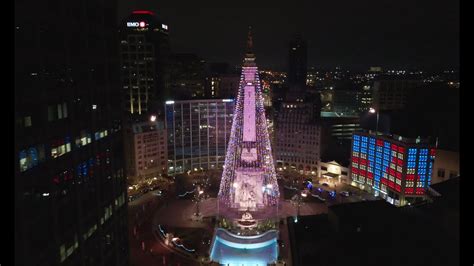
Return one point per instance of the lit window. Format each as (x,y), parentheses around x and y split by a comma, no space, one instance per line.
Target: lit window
(27,121)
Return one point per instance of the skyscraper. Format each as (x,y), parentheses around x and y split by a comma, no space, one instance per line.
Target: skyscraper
(297,62)
(144,51)
(70,192)
(187,77)
(249,179)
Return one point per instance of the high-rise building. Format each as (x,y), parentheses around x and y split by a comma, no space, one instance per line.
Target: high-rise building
(446,166)
(297,65)
(187,77)
(70,191)
(144,53)
(198,132)
(146,146)
(396,168)
(221,81)
(391,93)
(297,137)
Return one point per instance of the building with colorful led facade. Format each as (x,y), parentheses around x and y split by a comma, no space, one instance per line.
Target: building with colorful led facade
(395,168)
(144,53)
(249,178)
(198,132)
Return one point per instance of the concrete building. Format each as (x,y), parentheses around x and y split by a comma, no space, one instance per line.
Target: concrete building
(297,137)
(446,166)
(396,168)
(146,150)
(391,93)
(198,132)
(187,77)
(333,171)
(297,61)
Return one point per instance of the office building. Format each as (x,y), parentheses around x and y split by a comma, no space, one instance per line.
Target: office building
(297,62)
(146,150)
(222,82)
(297,137)
(144,53)
(396,168)
(187,77)
(392,93)
(446,166)
(198,132)
(70,191)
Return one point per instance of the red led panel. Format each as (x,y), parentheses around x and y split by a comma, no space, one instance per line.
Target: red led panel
(391,171)
(417,177)
(398,188)
(362,172)
(401,150)
(433,152)
(143,12)
(355,170)
(355,159)
(379,142)
(398,175)
(410,177)
(420,191)
(399,162)
(370,175)
(409,190)
(390,183)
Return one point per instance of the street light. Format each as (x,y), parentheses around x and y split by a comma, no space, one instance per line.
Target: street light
(372,111)
(198,199)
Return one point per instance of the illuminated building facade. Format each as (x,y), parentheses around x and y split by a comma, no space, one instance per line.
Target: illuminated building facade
(144,53)
(198,132)
(249,178)
(395,168)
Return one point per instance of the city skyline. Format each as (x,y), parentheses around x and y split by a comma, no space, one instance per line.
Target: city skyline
(166,134)
(400,35)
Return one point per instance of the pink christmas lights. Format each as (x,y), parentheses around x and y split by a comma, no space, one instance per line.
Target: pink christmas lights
(249,178)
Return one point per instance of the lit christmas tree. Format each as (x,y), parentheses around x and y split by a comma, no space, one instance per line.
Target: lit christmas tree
(249,179)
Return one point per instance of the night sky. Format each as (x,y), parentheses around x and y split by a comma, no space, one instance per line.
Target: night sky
(352,34)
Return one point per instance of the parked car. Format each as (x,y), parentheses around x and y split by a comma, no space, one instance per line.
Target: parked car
(319,198)
(344,193)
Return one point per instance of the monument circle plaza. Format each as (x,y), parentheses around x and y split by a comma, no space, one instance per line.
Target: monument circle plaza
(246,215)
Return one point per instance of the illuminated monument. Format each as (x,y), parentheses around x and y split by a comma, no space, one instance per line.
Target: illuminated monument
(249,179)
(247,233)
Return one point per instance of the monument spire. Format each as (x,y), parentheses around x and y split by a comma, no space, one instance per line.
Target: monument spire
(249,178)
(249,41)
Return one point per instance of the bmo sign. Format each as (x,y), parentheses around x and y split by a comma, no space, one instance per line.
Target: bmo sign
(140,24)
